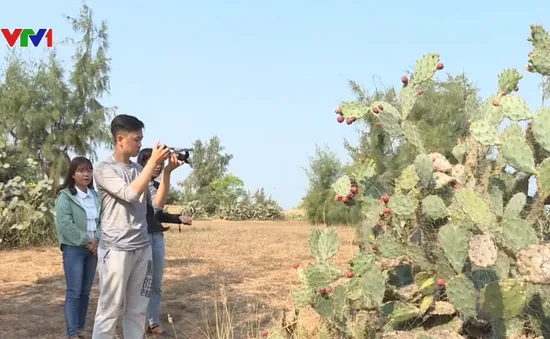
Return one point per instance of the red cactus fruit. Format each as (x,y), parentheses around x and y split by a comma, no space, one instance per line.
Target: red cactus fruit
(439,66)
(340,119)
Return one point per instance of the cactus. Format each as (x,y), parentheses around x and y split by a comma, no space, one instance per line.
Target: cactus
(458,237)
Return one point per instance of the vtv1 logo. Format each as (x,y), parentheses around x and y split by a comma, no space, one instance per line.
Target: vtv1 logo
(24,34)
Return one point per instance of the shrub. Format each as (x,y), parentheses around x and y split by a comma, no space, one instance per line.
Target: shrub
(26,206)
(456,248)
(251,211)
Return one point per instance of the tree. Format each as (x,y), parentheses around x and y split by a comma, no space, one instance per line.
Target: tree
(209,164)
(228,189)
(47,113)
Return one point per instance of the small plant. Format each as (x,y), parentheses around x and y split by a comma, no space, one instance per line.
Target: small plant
(454,249)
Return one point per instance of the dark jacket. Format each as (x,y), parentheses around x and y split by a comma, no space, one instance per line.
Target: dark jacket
(154,220)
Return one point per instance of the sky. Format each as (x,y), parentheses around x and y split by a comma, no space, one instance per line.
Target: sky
(266,76)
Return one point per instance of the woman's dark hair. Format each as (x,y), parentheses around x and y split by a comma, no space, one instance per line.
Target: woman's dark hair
(76,164)
(144,156)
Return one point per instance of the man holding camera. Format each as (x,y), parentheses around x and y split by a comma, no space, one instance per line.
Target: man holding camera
(124,252)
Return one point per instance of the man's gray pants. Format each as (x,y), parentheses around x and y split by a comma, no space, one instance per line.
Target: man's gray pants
(124,288)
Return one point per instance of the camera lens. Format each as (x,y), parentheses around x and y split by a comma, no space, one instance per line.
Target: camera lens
(183,156)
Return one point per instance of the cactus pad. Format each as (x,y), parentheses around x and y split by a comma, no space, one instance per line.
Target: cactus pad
(484,132)
(517,234)
(482,250)
(440,163)
(407,99)
(361,263)
(502,266)
(327,244)
(533,264)
(463,295)
(515,108)
(508,80)
(320,275)
(412,134)
(403,205)
(398,311)
(369,288)
(454,242)
(459,151)
(390,124)
(389,247)
(428,287)
(491,113)
(515,206)
(511,131)
(543,179)
(541,127)
(353,109)
(425,68)
(434,208)
(424,170)
(473,206)
(518,154)
(408,178)
(342,186)
(503,299)
(496,200)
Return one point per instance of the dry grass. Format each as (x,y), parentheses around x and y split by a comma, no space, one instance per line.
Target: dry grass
(249,263)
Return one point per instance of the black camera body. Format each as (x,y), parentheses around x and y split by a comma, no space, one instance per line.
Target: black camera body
(182,153)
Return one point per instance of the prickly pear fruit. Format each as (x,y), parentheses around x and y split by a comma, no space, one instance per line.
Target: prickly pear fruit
(495,103)
(440,283)
(353,189)
(349,274)
(404,80)
(338,110)
(420,91)
(533,264)
(349,121)
(345,199)
(439,66)
(376,110)
(265,333)
(482,250)
(295,265)
(387,210)
(385,199)
(322,291)
(340,119)
(380,107)
(329,289)
(337,197)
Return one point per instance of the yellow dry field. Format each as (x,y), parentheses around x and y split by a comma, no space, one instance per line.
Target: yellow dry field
(249,264)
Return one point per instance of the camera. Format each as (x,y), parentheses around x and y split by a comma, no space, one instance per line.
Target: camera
(182,153)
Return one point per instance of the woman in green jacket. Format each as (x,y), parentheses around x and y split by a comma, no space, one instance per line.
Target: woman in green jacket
(77,210)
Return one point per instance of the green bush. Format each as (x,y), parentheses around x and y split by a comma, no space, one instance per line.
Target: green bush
(251,211)
(26,206)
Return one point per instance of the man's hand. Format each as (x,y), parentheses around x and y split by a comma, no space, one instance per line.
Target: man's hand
(92,245)
(173,163)
(185,220)
(159,153)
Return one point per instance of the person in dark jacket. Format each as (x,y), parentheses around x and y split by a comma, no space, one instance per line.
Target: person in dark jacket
(156,235)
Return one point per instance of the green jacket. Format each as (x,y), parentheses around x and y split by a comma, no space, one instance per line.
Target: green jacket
(71,221)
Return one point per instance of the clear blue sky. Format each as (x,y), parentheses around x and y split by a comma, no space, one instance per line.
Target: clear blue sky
(265,76)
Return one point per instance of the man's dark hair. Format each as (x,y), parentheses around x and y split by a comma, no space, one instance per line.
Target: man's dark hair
(126,123)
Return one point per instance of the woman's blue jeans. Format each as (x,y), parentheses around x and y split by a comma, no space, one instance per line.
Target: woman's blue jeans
(79,265)
(157,247)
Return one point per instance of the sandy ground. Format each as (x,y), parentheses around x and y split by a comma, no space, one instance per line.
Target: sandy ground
(249,264)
